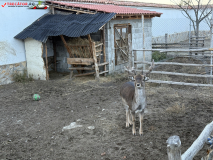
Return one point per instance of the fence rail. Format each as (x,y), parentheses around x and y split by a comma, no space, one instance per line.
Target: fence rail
(136,61)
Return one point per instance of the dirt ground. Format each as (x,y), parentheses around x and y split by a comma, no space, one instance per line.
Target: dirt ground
(33,129)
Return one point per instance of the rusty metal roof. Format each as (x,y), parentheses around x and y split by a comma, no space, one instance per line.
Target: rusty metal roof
(125,3)
(108,8)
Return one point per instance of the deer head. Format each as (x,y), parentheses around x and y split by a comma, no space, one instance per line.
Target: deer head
(132,72)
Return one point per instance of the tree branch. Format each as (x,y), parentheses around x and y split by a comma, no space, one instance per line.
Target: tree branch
(198,143)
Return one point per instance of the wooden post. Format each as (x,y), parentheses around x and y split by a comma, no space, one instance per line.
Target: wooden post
(104,52)
(90,44)
(54,50)
(166,37)
(130,49)
(95,61)
(135,59)
(47,72)
(174,148)
(143,41)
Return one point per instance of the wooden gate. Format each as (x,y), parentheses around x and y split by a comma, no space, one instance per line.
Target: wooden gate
(121,45)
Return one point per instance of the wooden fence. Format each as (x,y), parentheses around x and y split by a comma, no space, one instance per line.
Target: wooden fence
(136,62)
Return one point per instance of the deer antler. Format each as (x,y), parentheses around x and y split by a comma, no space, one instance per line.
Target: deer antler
(150,68)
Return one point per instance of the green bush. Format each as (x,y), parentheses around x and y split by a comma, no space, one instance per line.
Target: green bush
(22,77)
(157,56)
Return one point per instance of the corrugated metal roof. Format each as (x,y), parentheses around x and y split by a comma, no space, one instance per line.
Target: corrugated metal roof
(126,3)
(71,25)
(107,8)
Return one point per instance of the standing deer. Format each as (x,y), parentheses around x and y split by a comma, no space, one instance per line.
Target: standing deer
(134,97)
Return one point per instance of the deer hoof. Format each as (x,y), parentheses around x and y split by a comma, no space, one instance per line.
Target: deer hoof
(141,133)
(133,133)
(127,125)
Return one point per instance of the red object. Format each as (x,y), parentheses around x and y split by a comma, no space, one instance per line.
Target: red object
(45,7)
(107,8)
(34,7)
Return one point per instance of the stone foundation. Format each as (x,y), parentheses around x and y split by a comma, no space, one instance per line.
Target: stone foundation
(6,71)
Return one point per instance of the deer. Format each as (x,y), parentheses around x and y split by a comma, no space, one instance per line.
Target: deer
(134,98)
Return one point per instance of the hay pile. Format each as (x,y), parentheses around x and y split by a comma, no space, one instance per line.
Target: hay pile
(81,52)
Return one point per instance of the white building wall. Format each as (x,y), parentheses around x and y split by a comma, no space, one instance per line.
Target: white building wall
(34,57)
(13,21)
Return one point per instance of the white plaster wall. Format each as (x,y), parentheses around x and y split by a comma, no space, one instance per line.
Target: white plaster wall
(12,21)
(35,63)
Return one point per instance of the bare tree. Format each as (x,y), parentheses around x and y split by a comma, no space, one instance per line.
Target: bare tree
(201,11)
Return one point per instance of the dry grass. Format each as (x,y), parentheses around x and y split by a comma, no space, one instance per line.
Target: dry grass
(177,108)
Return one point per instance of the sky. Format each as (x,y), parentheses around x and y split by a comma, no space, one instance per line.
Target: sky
(164,1)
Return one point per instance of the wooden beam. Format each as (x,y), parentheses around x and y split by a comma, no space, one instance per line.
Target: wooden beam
(81,68)
(103,72)
(65,44)
(99,45)
(104,52)
(179,74)
(95,61)
(173,63)
(101,64)
(80,61)
(47,72)
(75,10)
(179,83)
(174,148)
(84,74)
(55,54)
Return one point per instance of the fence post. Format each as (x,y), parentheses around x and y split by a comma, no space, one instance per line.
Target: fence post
(130,50)
(95,61)
(174,148)
(211,44)
(135,59)
(143,41)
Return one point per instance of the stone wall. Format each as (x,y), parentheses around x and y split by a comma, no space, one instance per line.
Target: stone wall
(6,71)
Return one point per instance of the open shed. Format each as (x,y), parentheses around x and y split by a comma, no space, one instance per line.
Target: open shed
(116,28)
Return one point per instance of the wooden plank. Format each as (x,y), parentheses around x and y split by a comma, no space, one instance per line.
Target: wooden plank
(179,83)
(84,74)
(130,49)
(178,74)
(103,72)
(173,50)
(101,64)
(81,61)
(172,63)
(120,49)
(90,43)
(135,59)
(99,45)
(95,61)
(55,54)
(81,68)
(47,72)
(65,44)
(103,32)
(119,35)
(98,51)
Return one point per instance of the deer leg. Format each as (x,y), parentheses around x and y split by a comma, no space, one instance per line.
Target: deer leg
(129,118)
(133,124)
(141,123)
(127,115)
